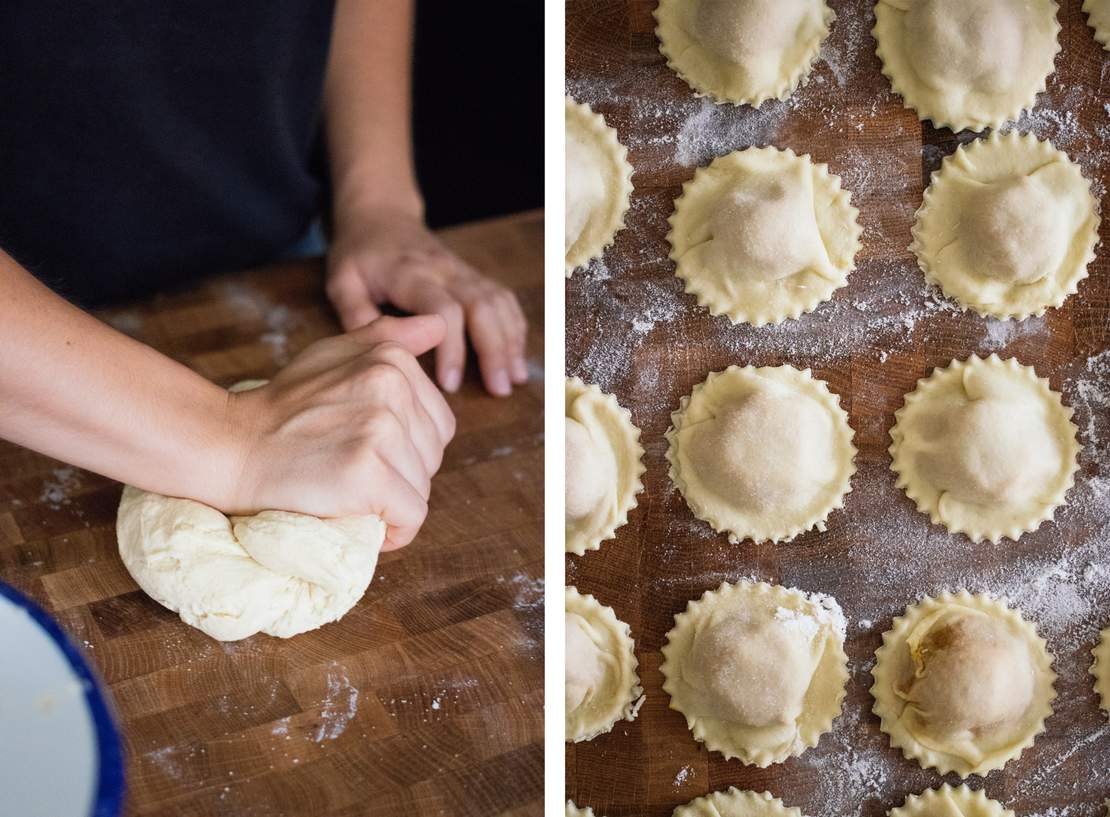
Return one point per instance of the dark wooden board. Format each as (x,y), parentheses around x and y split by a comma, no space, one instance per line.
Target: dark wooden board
(427,698)
(631,329)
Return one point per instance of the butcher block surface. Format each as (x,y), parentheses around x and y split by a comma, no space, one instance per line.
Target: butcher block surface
(425,699)
(632,330)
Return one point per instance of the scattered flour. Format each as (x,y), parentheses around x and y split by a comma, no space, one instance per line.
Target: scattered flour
(339,707)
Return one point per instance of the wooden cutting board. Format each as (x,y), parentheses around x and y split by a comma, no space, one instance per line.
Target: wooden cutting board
(632,330)
(425,699)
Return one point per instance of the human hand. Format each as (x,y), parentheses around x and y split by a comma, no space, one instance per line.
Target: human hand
(389,256)
(351,426)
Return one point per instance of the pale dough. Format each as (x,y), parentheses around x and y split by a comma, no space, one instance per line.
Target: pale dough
(762,454)
(598,185)
(1100,669)
(1007,226)
(758,670)
(603,466)
(601,684)
(736,803)
(967,63)
(762,235)
(742,51)
(1098,17)
(962,683)
(950,801)
(574,811)
(275,572)
(985,448)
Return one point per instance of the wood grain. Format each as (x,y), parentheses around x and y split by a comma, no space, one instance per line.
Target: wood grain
(425,699)
(632,330)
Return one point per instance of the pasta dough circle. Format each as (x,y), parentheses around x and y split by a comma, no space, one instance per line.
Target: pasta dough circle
(603,466)
(967,63)
(598,185)
(742,51)
(950,801)
(1098,17)
(762,235)
(601,685)
(962,683)
(736,803)
(1100,669)
(1007,226)
(985,448)
(758,670)
(762,454)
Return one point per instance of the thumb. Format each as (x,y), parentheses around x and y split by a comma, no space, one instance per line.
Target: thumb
(351,300)
(417,334)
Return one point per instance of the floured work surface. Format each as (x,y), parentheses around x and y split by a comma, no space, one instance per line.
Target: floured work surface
(426,698)
(632,330)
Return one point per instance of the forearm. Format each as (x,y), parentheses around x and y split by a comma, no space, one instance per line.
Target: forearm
(368,109)
(75,389)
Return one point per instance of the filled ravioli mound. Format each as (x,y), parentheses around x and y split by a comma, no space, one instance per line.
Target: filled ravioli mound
(773,448)
(757,669)
(975,45)
(973,679)
(1015,231)
(750,31)
(585,185)
(992,450)
(766,231)
(589,670)
(590,473)
(753,672)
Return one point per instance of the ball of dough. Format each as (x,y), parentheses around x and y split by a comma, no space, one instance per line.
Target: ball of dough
(585,663)
(740,30)
(1014,232)
(585,188)
(971,675)
(993,450)
(586,472)
(755,672)
(976,45)
(775,447)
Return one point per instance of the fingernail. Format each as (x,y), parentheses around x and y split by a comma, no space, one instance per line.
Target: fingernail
(451,380)
(499,383)
(520,371)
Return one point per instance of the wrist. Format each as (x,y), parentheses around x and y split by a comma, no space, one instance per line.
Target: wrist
(228,483)
(356,205)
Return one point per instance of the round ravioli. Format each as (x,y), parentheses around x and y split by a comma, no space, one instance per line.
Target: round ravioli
(762,235)
(603,466)
(601,684)
(757,669)
(1007,226)
(1101,668)
(985,448)
(761,453)
(1098,16)
(962,683)
(736,803)
(742,51)
(949,801)
(598,185)
(967,63)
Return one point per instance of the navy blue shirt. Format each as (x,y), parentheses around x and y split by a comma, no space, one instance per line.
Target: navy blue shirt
(144,142)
